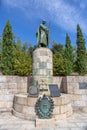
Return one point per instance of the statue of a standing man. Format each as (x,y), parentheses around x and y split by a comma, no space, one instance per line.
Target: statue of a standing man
(42,35)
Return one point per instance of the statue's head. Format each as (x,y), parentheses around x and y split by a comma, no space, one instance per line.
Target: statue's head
(43,22)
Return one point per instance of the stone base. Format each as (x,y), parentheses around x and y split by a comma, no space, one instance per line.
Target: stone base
(41,123)
(24,107)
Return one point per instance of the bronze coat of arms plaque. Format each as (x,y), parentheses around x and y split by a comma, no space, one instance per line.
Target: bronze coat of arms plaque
(44,107)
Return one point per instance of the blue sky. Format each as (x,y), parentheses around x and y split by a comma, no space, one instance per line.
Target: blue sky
(62,17)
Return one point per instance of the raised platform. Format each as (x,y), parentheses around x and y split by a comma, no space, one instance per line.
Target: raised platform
(24,107)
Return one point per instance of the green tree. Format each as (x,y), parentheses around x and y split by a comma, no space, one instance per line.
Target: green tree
(22,61)
(18,44)
(58,64)
(57,47)
(7,50)
(68,54)
(81,62)
(30,50)
(0,50)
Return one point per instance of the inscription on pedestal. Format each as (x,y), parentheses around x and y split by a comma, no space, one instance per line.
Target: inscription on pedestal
(83,85)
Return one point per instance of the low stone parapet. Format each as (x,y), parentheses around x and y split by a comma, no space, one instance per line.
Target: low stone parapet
(9,86)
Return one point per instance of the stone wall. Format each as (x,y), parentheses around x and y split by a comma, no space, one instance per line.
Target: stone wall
(58,80)
(9,86)
(79,96)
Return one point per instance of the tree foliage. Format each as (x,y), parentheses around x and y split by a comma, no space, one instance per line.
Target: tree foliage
(68,54)
(22,63)
(0,50)
(16,57)
(57,47)
(7,50)
(58,64)
(81,62)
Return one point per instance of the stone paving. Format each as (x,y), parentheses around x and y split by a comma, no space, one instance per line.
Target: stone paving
(78,121)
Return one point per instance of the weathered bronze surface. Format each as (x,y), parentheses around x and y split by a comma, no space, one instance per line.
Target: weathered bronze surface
(44,107)
(42,35)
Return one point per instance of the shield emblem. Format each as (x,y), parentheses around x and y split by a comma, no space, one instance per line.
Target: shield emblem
(44,107)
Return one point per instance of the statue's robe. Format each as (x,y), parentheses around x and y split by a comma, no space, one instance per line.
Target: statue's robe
(42,36)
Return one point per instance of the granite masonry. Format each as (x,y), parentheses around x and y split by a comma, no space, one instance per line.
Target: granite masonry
(73,95)
(9,86)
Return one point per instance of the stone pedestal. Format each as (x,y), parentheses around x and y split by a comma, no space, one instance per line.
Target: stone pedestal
(42,65)
(24,107)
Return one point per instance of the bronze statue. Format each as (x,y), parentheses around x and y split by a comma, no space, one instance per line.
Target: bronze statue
(42,35)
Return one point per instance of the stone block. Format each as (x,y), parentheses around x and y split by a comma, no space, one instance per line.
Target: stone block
(22,85)
(57,101)
(5,104)
(6,97)
(84,97)
(72,79)
(75,97)
(63,109)
(57,79)
(60,117)
(73,85)
(14,91)
(32,101)
(65,99)
(21,115)
(79,91)
(12,85)
(23,90)
(9,104)
(82,78)
(18,114)
(22,79)
(11,79)
(84,109)
(19,99)
(45,123)
(4,85)
(56,110)
(3,79)
(28,110)
(70,90)
(79,103)
(69,113)
(6,91)
(18,107)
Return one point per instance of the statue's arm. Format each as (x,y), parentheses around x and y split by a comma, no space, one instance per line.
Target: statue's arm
(42,27)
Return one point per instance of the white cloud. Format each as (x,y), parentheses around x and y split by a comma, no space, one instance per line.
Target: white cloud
(60,12)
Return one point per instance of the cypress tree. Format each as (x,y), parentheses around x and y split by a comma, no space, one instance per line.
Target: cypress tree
(68,49)
(68,54)
(7,49)
(81,52)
